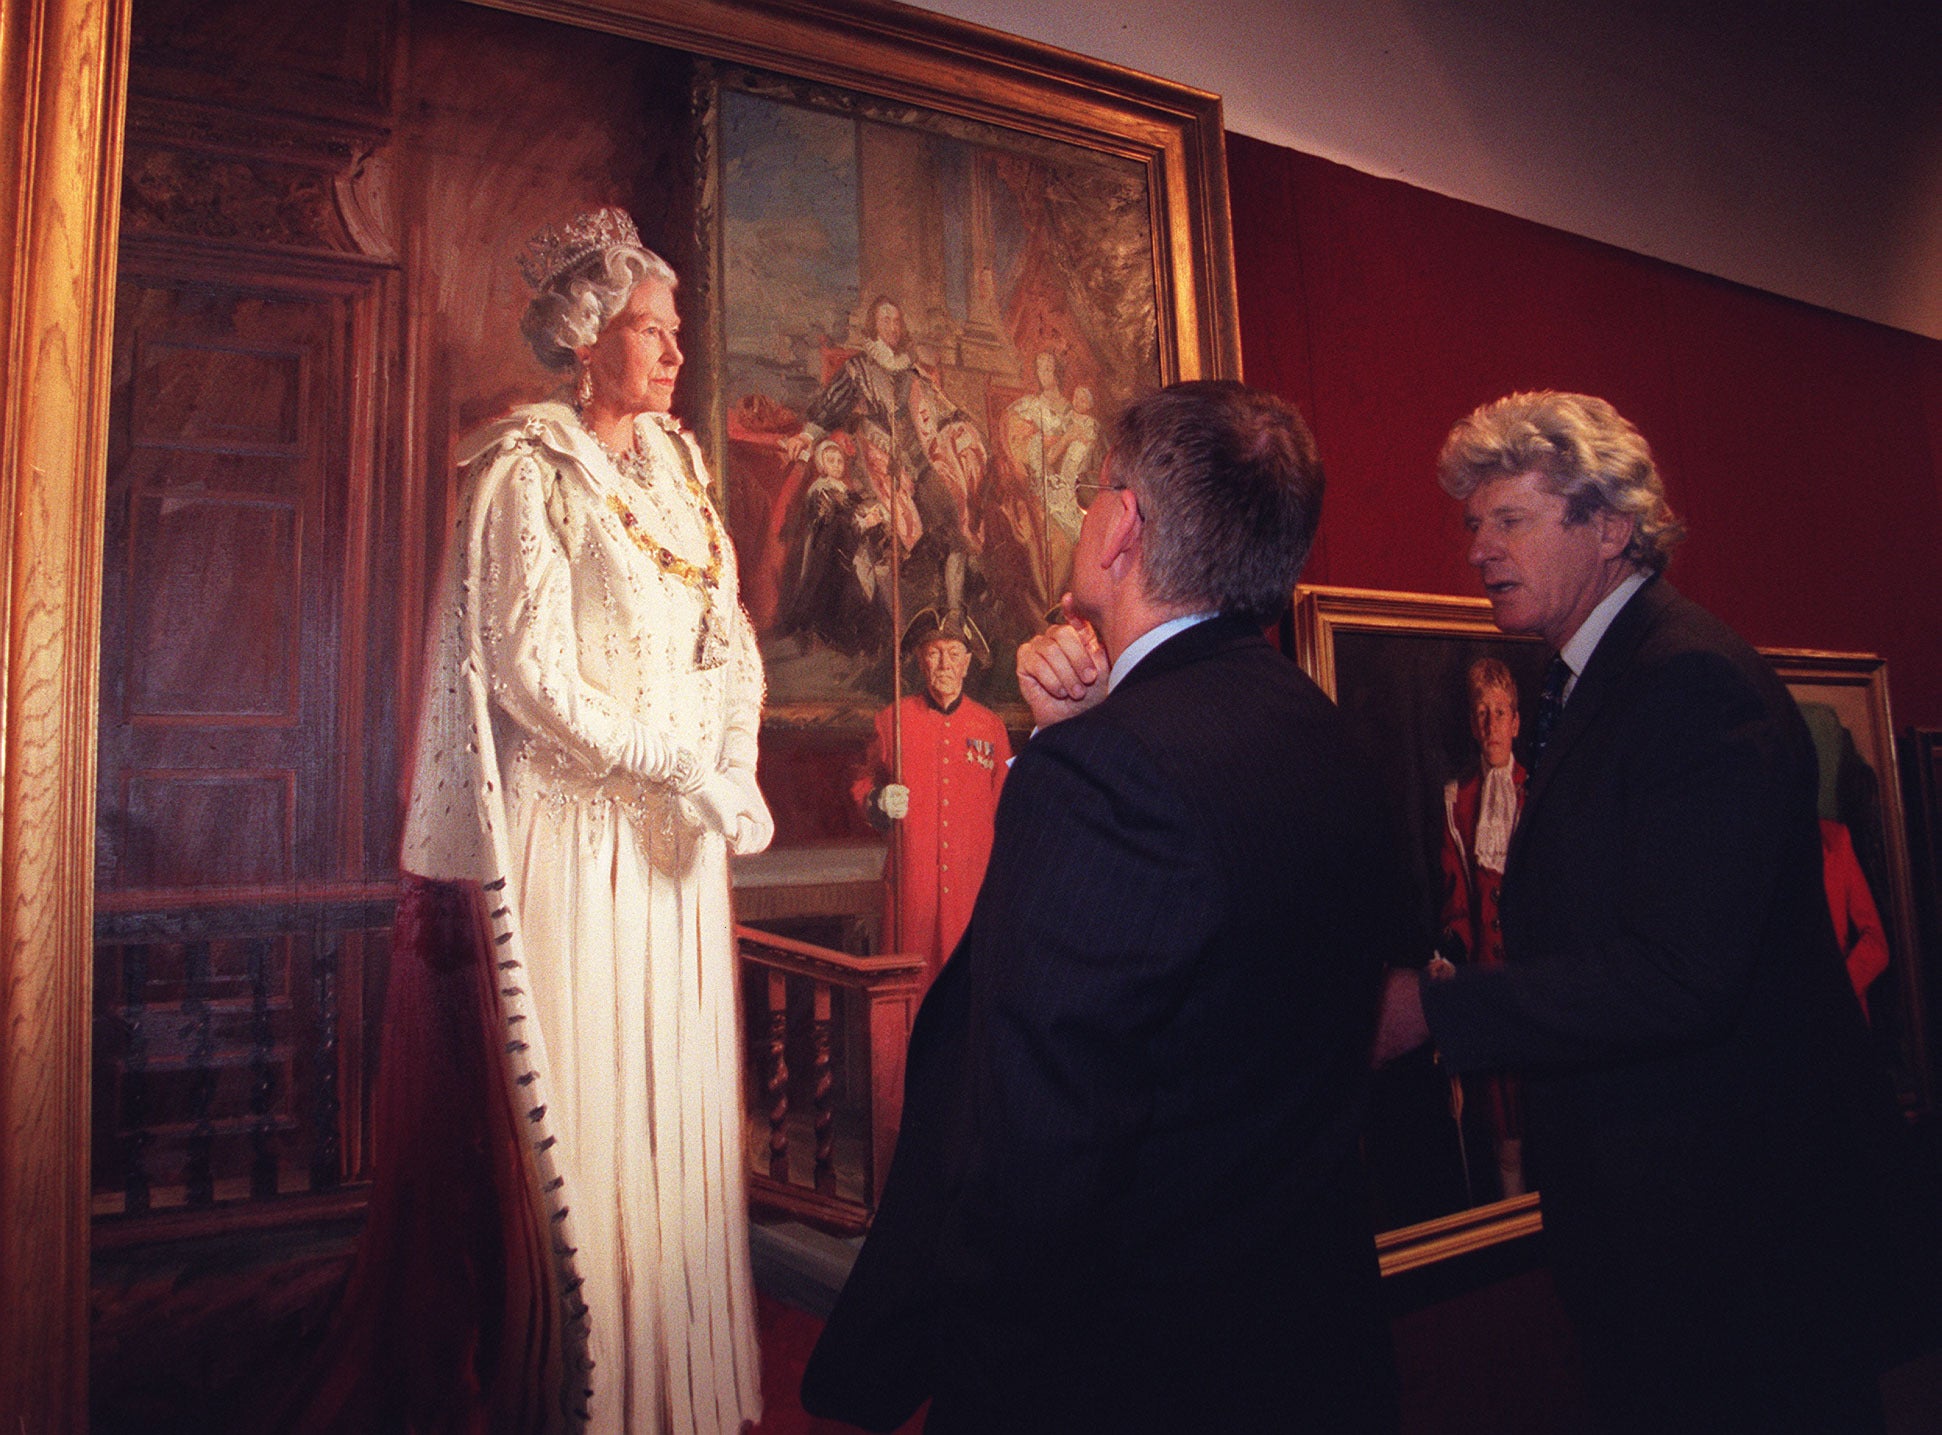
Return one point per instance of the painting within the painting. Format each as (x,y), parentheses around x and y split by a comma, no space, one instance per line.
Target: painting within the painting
(927,326)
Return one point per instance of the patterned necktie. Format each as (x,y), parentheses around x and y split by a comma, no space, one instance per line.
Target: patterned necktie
(1550,703)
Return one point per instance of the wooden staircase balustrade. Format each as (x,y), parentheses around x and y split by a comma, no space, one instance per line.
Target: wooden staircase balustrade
(885,989)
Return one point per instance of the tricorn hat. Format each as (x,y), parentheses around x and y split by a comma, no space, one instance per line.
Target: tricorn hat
(930,623)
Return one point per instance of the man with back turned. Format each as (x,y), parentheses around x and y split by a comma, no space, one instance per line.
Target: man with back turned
(1701,1115)
(1128,1195)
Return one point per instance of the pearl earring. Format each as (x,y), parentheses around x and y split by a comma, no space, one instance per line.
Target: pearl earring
(583,395)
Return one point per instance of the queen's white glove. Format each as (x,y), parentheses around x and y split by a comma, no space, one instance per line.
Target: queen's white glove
(652,758)
(758,829)
(729,804)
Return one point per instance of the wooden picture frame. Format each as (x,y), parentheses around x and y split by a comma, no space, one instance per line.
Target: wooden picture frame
(63,101)
(1395,662)
(1845,699)
(1020,275)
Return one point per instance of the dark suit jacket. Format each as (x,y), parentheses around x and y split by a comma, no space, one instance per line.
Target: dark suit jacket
(1701,1110)
(1128,1194)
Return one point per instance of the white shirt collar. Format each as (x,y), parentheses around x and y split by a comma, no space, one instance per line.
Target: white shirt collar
(1146,642)
(1578,650)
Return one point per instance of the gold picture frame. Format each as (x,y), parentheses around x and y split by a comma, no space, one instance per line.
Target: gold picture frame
(63,100)
(1395,662)
(1851,690)
(1009,255)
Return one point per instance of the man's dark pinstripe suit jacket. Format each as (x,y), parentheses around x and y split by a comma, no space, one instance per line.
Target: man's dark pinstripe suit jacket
(1128,1192)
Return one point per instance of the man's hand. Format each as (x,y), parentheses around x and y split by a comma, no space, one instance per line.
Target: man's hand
(1401,1027)
(1062,671)
(894,799)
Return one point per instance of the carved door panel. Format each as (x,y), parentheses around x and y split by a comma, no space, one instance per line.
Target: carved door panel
(234,921)
(219,714)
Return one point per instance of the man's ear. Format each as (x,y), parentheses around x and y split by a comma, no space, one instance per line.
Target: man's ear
(1123,534)
(1615,531)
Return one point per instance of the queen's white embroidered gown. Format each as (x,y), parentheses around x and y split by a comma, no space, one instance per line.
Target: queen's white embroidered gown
(577,635)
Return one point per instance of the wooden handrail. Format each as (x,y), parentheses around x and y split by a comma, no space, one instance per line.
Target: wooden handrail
(889,986)
(806,959)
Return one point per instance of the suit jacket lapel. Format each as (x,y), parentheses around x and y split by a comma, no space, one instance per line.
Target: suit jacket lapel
(1594,687)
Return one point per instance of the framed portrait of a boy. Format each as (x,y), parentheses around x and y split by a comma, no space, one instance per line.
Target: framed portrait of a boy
(1445,705)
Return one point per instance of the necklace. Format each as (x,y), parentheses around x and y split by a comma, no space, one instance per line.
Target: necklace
(711,644)
(632,465)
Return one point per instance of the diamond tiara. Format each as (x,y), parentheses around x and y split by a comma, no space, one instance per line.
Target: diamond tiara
(552,252)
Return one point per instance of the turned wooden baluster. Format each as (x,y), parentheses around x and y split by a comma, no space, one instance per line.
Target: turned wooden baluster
(135,1136)
(326,1157)
(825,1087)
(778,1083)
(199,1033)
(262,1073)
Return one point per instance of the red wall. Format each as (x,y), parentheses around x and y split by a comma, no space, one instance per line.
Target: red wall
(1803,448)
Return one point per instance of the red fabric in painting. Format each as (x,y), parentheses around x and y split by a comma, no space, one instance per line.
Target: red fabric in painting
(444,1325)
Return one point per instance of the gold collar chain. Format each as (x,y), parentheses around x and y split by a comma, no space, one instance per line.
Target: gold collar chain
(704,578)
